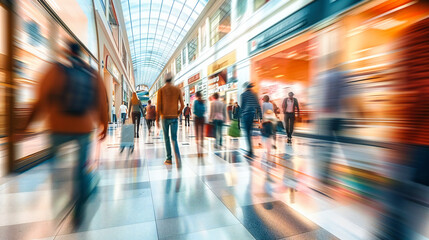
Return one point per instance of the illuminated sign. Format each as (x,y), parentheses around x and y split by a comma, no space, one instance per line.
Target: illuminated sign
(194,78)
(300,20)
(222,63)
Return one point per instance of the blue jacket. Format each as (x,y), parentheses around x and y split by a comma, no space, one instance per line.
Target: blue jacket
(199,108)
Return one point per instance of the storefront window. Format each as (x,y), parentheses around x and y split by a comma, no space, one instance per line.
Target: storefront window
(284,71)
(241,7)
(184,57)
(203,36)
(33,50)
(78,15)
(124,55)
(193,49)
(3,49)
(259,3)
(178,63)
(220,22)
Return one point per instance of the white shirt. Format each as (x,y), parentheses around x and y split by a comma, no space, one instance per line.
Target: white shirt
(113,109)
(267,106)
(289,107)
(123,108)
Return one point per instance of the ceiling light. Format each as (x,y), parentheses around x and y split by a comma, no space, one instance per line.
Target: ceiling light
(279,76)
(274,68)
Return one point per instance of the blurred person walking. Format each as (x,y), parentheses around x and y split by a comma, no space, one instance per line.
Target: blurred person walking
(168,100)
(124,111)
(217,116)
(250,108)
(236,111)
(75,100)
(230,108)
(199,120)
(150,115)
(267,105)
(135,111)
(290,107)
(187,113)
(114,119)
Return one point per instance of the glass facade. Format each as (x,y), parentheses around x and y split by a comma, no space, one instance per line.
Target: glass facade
(178,63)
(155,29)
(203,36)
(124,55)
(220,22)
(78,15)
(193,49)
(259,3)
(241,6)
(184,61)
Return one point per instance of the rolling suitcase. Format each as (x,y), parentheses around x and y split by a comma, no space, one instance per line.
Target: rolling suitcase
(127,137)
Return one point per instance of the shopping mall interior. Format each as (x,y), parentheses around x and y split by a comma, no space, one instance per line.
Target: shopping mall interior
(214,119)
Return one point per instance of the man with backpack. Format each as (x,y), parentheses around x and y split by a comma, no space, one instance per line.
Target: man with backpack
(187,113)
(75,100)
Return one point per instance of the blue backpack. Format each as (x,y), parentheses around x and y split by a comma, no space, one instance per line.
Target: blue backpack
(79,94)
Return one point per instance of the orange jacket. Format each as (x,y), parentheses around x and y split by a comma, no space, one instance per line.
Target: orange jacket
(167,102)
(49,102)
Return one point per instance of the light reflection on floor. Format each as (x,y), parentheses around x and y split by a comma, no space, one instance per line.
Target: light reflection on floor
(222,196)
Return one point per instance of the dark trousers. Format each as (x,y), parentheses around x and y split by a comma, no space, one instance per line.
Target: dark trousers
(136,121)
(218,124)
(289,123)
(187,117)
(149,123)
(114,120)
(248,124)
(199,132)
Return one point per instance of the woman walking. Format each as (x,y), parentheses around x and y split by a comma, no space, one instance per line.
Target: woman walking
(236,113)
(269,121)
(150,115)
(218,117)
(268,105)
(199,111)
(135,110)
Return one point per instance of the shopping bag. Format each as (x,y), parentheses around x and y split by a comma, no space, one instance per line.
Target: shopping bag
(233,130)
(209,130)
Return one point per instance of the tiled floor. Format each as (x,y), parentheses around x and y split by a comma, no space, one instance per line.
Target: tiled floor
(223,196)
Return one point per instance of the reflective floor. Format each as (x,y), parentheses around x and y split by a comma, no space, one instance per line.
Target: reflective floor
(222,196)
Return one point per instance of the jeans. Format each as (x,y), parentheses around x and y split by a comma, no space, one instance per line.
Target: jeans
(248,125)
(81,176)
(199,132)
(187,118)
(289,122)
(123,116)
(167,124)
(218,124)
(114,120)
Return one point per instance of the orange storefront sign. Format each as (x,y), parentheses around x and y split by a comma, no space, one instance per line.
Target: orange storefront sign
(194,78)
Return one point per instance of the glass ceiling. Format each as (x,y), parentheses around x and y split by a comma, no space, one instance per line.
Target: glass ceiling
(155,28)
